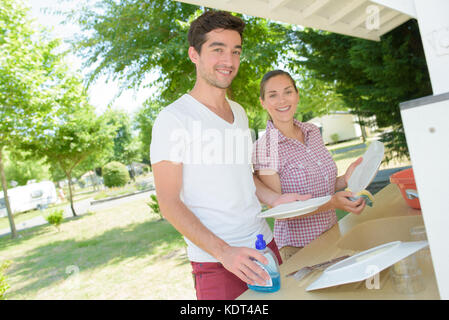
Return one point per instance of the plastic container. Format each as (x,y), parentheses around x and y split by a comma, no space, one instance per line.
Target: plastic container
(272,268)
(408,283)
(406,180)
(418,233)
(407,276)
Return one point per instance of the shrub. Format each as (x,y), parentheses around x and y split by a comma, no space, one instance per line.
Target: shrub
(55,218)
(154,206)
(3,285)
(335,137)
(115,174)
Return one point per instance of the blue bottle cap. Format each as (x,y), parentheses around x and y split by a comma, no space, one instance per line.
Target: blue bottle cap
(260,242)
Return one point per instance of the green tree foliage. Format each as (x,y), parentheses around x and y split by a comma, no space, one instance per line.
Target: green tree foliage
(27,62)
(20,169)
(126,145)
(129,40)
(74,132)
(143,122)
(115,174)
(371,77)
(317,97)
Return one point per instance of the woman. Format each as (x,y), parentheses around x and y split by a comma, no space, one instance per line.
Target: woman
(291,157)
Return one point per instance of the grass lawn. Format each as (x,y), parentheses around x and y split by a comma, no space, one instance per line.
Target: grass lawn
(124,253)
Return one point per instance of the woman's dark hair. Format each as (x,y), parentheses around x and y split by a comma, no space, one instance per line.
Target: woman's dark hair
(270,75)
(211,20)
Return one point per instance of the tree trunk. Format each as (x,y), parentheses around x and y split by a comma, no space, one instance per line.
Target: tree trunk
(362,128)
(5,194)
(361,124)
(71,195)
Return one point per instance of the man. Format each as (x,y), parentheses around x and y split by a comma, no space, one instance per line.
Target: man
(201,153)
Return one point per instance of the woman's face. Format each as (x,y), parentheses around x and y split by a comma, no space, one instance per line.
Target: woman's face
(281,98)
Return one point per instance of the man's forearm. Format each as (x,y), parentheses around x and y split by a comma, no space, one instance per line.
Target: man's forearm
(192,228)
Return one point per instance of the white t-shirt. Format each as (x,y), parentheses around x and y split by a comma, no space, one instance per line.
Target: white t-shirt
(217,184)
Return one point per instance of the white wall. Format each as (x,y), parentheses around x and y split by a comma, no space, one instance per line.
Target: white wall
(342,124)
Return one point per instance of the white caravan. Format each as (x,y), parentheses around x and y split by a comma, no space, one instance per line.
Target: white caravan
(29,197)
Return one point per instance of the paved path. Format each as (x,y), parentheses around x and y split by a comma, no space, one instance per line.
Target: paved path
(350,148)
(382,179)
(81,207)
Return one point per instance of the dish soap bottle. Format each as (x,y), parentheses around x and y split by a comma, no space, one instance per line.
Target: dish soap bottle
(272,268)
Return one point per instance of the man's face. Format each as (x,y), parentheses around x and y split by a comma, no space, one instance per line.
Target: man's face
(219,60)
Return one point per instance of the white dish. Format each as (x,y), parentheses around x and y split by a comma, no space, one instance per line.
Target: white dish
(365,264)
(365,172)
(295,208)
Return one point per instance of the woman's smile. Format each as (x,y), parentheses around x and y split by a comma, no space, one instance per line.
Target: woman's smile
(283,109)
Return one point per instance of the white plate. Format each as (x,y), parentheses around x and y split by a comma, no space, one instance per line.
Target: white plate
(365,172)
(366,264)
(295,208)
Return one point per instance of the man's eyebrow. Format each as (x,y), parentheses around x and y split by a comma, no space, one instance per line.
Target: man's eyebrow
(221,44)
(217,44)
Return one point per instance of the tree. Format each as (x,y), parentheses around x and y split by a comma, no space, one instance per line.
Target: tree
(371,77)
(26,69)
(21,170)
(74,133)
(126,145)
(129,39)
(143,122)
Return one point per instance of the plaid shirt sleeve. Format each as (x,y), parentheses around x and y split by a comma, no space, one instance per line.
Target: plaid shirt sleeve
(265,153)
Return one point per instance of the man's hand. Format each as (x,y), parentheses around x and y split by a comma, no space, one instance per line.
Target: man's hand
(240,261)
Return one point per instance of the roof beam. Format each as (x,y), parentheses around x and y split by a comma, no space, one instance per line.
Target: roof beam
(275,4)
(314,7)
(404,6)
(362,18)
(393,23)
(345,11)
(385,18)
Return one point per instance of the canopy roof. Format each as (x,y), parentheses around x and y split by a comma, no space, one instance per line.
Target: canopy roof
(359,18)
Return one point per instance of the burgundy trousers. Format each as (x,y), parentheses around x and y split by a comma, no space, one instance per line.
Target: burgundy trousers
(214,282)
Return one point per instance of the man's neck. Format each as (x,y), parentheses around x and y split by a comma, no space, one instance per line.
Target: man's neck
(210,96)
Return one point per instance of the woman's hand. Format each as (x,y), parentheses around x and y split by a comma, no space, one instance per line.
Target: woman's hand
(340,201)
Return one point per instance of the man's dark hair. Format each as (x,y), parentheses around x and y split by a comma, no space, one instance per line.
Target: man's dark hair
(211,20)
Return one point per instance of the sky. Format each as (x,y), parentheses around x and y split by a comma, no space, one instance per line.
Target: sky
(102,92)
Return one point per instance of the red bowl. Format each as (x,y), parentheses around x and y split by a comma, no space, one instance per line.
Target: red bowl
(406,180)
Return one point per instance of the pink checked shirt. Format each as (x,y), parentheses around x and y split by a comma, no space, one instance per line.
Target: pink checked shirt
(303,169)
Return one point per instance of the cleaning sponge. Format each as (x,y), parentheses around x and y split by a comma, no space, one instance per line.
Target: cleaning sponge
(365,194)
